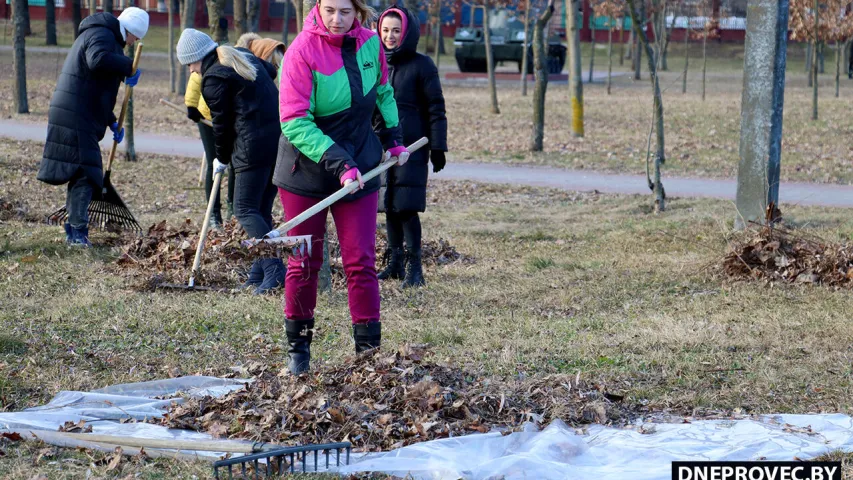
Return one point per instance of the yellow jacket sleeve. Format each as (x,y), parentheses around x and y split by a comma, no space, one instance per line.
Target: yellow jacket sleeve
(193,96)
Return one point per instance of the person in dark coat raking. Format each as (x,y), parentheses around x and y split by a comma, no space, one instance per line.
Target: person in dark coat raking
(81,110)
(420,102)
(240,91)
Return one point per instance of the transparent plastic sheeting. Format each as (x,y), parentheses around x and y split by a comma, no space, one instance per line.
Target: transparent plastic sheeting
(556,452)
(102,409)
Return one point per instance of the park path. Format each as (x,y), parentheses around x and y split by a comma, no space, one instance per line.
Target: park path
(570,180)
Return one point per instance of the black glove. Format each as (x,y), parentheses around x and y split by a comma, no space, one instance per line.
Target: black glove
(193,114)
(438,160)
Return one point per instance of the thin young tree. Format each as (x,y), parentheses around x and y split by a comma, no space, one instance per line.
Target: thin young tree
(50,22)
(130,146)
(300,15)
(621,37)
(285,23)
(187,21)
(575,77)
(109,6)
(525,58)
(637,17)
(76,15)
(839,28)
(253,15)
(20,54)
(686,39)
(592,47)
(27,26)
(809,20)
(612,10)
(240,26)
(540,70)
(173,80)
(710,30)
(490,63)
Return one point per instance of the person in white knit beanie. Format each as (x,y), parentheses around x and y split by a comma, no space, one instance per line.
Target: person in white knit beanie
(134,24)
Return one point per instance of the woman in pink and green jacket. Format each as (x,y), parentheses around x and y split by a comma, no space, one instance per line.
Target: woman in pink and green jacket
(334,76)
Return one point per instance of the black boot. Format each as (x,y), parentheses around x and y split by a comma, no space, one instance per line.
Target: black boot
(367,336)
(274,271)
(396,267)
(299,336)
(414,271)
(255,277)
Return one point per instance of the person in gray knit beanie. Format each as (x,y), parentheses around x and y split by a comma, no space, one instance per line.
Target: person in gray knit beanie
(240,92)
(193,46)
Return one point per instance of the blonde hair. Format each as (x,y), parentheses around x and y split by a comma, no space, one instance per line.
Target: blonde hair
(363,12)
(231,57)
(245,39)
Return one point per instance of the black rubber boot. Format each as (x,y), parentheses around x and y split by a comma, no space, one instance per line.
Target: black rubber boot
(299,336)
(396,267)
(367,336)
(255,277)
(274,271)
(414,270)
(216,220)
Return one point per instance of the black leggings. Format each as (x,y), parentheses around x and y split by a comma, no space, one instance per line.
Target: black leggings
(209,141)
(404,225)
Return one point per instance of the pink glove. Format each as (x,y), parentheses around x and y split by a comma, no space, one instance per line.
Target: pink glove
(396,151)
(351,174)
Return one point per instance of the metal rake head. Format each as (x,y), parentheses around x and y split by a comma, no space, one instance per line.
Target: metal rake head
(285,460)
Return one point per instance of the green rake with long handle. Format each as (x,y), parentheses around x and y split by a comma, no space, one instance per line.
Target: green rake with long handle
(108,209)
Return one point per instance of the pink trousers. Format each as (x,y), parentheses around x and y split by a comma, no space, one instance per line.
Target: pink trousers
(355,222)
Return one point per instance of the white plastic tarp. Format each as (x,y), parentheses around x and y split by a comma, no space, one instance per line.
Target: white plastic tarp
(557,452)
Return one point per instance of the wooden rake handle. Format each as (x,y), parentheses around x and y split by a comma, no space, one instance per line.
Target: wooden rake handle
(346,190)
(128,91)
(177,107)
(217,179)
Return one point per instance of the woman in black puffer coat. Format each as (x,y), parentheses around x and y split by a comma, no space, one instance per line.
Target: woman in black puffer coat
(240,91)
(420,103)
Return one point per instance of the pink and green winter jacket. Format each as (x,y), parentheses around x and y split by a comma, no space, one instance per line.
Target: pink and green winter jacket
(329,89)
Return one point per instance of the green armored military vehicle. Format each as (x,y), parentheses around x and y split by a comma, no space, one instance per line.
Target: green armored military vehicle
(507,45)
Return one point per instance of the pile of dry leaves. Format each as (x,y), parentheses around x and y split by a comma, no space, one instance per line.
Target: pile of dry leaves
(385,400)
(166,252)
(165,255)
(781,254)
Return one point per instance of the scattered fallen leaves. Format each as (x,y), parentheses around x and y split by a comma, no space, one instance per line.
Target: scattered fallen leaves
(78,427)
(12,436)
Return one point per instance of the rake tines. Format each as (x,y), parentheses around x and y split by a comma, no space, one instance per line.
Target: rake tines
(108,213)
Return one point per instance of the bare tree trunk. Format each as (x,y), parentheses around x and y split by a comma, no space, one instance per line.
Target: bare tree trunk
(130,146)
(172,73)
(838,48)
(239,18)
(254,15)
(621,43)
(809,61)
(821,46)
(686,57)
(50,22)
(524,58)
(437,42)
(307,5)
(109,6)
(660,158)
(667,36)
(490,64)
(609,56)
(20,54)
(76,16)
(188,21)
(300,14)
(704,61)
(93,7)
(541,74)
(592,54)
(638,52)
(814,59)
(575,81)
(28,30)
(285,24)
(629,55)
(215,11)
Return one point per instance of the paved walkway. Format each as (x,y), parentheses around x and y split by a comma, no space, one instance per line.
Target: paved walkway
(572,180)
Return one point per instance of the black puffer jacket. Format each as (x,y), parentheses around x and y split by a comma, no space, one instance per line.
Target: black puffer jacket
(244,113)
(81,109)
(420,104)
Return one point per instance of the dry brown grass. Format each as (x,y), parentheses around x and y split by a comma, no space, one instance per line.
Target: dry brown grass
(562,283)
